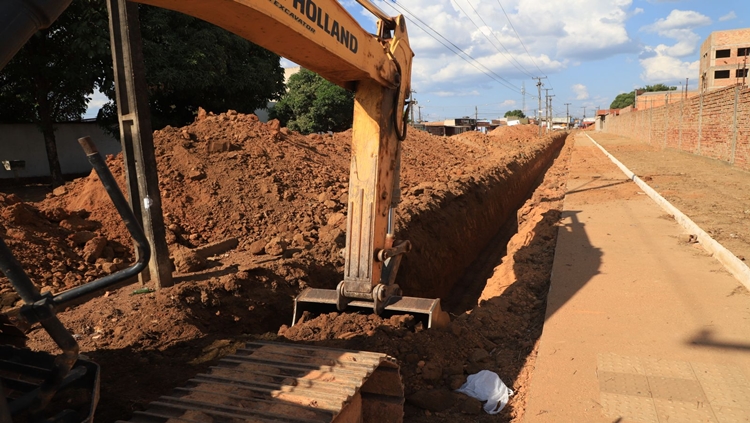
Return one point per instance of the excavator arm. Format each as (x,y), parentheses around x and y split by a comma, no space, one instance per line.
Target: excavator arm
(322,36)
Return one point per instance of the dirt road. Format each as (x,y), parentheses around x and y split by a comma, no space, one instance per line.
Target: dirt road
(640,325)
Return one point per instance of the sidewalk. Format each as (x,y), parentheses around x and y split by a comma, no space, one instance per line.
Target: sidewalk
(641,326)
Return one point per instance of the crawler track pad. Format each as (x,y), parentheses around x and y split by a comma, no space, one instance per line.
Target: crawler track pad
(319,301)
(272,383)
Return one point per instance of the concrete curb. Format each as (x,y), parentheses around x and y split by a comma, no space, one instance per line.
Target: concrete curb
(735,266)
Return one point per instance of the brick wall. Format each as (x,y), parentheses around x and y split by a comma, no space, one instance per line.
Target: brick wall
(715,125)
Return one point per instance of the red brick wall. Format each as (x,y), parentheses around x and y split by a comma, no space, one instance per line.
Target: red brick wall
(700,125)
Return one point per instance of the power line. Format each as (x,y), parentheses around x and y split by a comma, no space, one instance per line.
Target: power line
(489,72)
(510,57)
(519,38)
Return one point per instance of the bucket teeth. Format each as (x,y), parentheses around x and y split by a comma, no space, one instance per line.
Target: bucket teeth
(318,301)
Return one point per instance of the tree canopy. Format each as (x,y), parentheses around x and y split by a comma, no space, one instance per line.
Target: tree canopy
(623,100)
(191,63)
(627,99)
(517,113)
(312,104)
(53,76)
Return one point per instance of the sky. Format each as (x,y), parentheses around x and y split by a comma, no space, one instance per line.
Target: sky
(588,50)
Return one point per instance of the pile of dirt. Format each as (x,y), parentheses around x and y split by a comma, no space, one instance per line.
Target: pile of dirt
(283,196)
(59,249)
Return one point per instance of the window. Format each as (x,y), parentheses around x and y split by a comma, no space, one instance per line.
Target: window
(741,73)
(723,53)
(743,51)
(721,74)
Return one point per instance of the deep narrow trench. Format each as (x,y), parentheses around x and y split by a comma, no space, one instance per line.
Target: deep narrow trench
(468,288)
(463,239)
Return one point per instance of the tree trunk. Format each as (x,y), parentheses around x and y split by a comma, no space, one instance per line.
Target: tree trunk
(48,130)
(54,162)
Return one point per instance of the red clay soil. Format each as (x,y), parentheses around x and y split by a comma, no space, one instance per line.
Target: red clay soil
(283,196)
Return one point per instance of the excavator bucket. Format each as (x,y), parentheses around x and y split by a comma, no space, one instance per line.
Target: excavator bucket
(426,310)
(274,382)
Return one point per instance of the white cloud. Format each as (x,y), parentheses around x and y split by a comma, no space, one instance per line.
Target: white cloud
(666,69)
(554,36)
(473,93)
(728,17)
(508,103)
(662,63)
(679,19)
(581,92)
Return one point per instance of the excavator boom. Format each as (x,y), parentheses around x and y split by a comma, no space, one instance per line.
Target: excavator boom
(323,37)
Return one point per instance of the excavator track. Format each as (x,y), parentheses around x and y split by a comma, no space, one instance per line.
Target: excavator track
(273,382)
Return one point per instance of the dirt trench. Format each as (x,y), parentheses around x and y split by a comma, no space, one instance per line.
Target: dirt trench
(283,196)
(450,236)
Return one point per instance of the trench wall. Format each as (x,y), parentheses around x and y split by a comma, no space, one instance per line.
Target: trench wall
(715,124)
(448,237)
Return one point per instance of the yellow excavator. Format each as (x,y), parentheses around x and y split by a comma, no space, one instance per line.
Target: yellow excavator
(263,382)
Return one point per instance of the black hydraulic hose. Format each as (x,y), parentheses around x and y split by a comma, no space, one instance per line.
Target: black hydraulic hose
(123,208)
(46,316)
(42,308)
(12,270)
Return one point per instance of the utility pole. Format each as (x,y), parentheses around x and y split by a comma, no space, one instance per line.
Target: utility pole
(551,115)
(412,102)
(567,115)
(420,113)
(547,103)
(523,97)
(584,114)
(539,110)
(476,118)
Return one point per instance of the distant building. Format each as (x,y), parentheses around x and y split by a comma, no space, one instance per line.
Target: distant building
(724,59)
(450,127)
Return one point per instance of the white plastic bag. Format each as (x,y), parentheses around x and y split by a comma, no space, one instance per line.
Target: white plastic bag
(487,386)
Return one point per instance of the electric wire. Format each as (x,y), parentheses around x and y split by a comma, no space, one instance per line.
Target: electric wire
(519,38)
(509,56)
(413,18)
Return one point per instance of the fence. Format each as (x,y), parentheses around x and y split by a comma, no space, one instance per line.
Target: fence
(715,124)
(24,142)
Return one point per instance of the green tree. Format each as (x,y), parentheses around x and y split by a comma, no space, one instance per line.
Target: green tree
(53,76)
(627,99)
(517,113)
(191,63)
(658,87)
(623,100)
(312,104)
